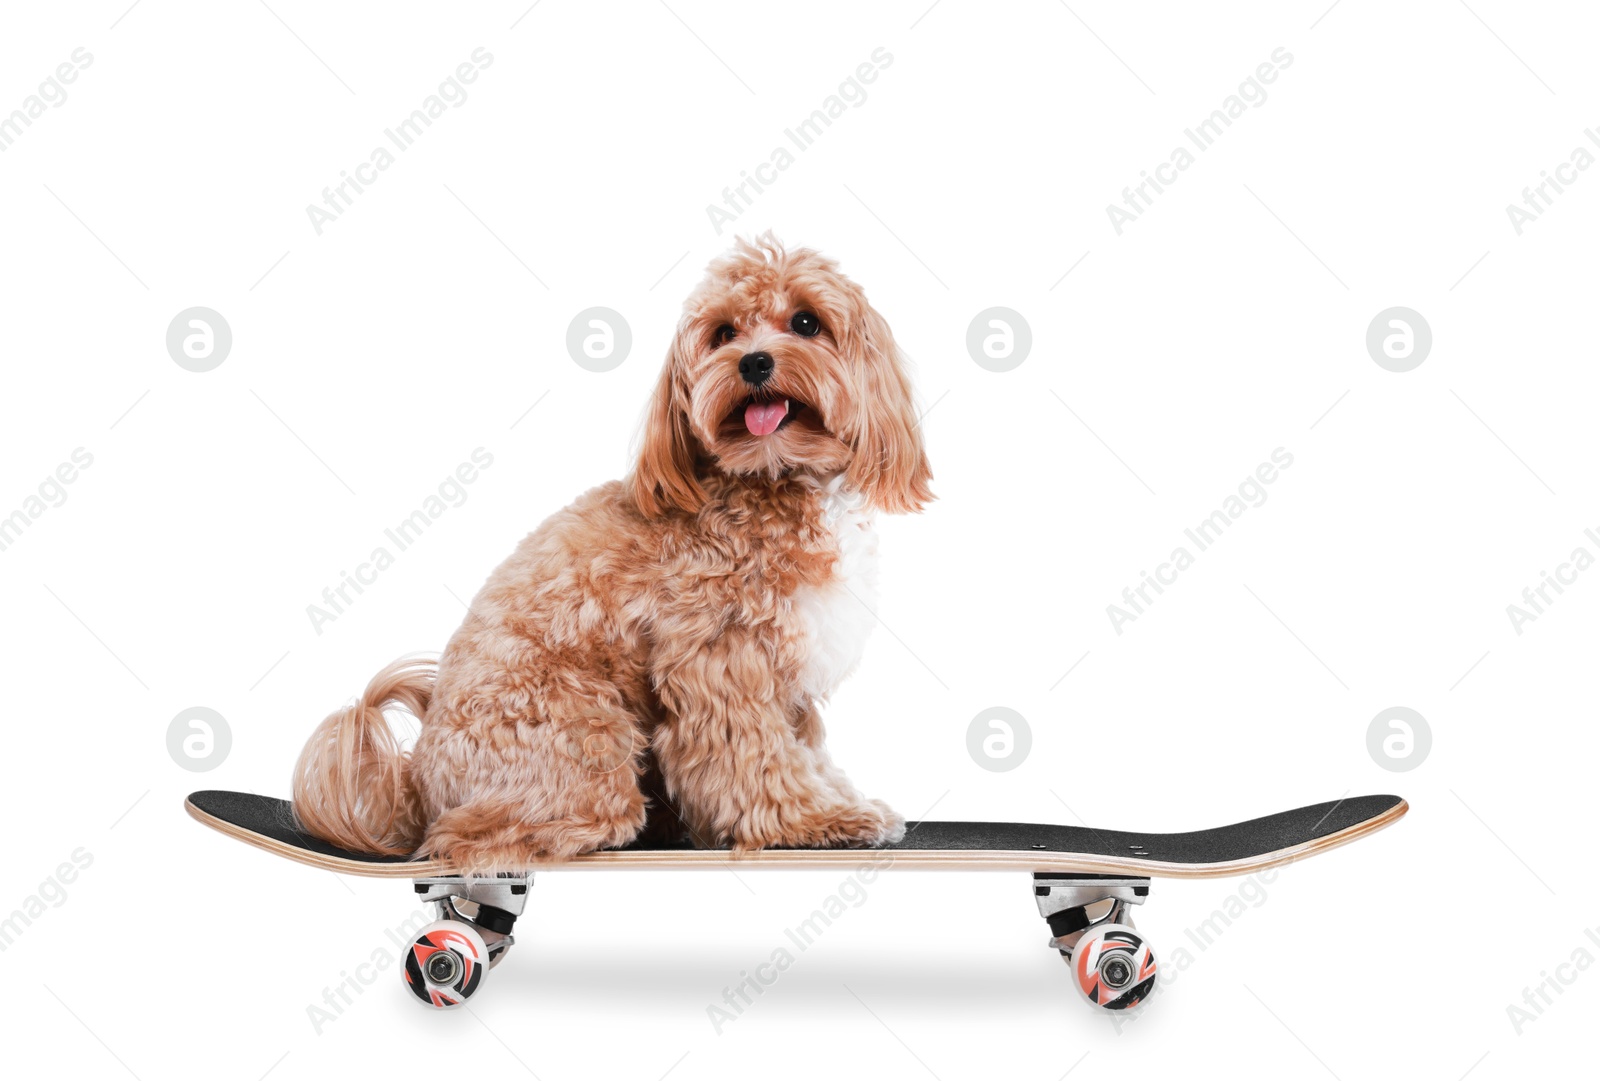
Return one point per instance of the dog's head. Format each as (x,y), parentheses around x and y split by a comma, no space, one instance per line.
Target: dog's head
(781,366)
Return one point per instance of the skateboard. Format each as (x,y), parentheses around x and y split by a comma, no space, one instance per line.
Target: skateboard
(1084,880)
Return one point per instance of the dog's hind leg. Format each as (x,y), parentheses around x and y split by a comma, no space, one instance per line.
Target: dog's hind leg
(515,793)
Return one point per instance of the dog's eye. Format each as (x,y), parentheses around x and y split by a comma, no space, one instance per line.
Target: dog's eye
(723,335)
(805,324)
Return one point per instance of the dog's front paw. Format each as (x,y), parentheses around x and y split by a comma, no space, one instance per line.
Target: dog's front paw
(894,825)
(865,825)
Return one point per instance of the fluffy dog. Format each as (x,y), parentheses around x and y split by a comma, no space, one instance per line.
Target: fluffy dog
(667,638)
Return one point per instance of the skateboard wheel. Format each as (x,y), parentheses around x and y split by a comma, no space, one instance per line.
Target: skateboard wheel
(1113,967)
(445,963)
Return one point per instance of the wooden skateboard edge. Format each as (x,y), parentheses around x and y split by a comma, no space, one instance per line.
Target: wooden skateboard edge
(826,859)
(410,869)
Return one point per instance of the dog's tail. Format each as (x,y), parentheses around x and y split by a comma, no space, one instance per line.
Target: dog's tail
(350,784)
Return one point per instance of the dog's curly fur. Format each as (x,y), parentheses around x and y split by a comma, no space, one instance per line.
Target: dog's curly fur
(666,639)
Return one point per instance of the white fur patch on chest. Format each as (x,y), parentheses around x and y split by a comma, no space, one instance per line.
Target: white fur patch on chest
(835,616)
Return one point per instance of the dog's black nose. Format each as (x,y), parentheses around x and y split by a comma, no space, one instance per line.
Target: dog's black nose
(755,368)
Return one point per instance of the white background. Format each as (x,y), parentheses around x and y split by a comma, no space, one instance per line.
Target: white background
(1228,321)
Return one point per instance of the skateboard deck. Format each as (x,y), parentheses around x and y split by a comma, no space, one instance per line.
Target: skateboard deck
(1242,848)
(1084,879)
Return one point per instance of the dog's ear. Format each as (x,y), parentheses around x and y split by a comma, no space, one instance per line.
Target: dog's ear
(888,465)
(664,476)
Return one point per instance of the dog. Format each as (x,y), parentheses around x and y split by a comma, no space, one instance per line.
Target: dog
(663,644)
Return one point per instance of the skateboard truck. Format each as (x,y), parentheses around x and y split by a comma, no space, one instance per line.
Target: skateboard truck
(446,959)
(1112,965)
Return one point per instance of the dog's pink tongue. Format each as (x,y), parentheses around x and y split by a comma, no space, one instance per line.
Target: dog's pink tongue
(763,418)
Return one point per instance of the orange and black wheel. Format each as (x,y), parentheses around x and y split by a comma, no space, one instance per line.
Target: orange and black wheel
(1113,967)
(446,963)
